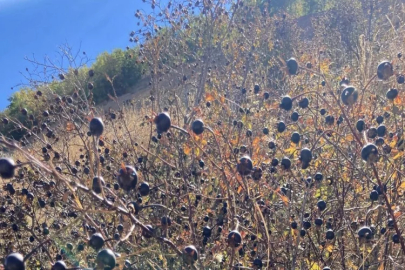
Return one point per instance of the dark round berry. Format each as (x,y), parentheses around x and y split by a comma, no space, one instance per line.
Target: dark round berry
(281,126)
(286,103)
(106,259)
(286,163)
(59,265)
(303,103)
(364,232)
(96,126)
(385,70)
(7,168)
(163,122)
(245,165)
(369,153)
(127,178)
(292,66)
(349,96)
(14,261)
(294,116)
(374,195)
(144,189)
(392,93)
(360,125)
(395,238)
(190,254)
(234,239)
(98,182)
(321,205)
(96,241)
(198,126)
(295,137)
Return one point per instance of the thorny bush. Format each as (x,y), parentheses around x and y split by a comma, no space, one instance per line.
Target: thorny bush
(307,176)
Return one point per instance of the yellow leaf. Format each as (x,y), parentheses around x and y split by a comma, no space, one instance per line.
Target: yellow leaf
(197,152)
(329,247)
(398,155)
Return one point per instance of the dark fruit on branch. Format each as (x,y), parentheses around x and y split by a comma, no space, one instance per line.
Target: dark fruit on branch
(14,261)
(106,259)
(96,126)
(7,168)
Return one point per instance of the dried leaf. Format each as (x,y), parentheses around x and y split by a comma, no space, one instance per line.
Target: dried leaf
(187,149)
(209,97)
(70,126)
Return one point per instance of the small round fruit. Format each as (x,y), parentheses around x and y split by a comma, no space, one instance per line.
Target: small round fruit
(292,66)
(364,232)
(207,231)
(106,259)
(286,163)
(96,126)
(372,132)
(96,241)
(14,261)
(392,93)
(190,254)
(329,120)
(198,126)
(318,176)
(266,131)
(385,70)
(7,168)
(98,182)
(303,103)
(266,95)
(305,155)
(163,122)
(257,173)
(280,126)
(144,189)
(326,268)
(379,119)
(330,234)
(360,125)
(166,221)
(374,195)
(322,111)
(318,222)
(295,116)
(295,137)
(349,96)
(245,165)
(401,79)
(256,89)
(321,205)
(258,263)
(127,178)
(286,103)
(234,239)
(395,238)
(381,130)
(369,153)
(294,225)
(59,265)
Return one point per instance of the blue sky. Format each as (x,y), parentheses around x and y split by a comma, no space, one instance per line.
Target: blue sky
(39,27)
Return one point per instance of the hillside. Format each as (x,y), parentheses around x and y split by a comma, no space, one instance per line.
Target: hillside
(244,135)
